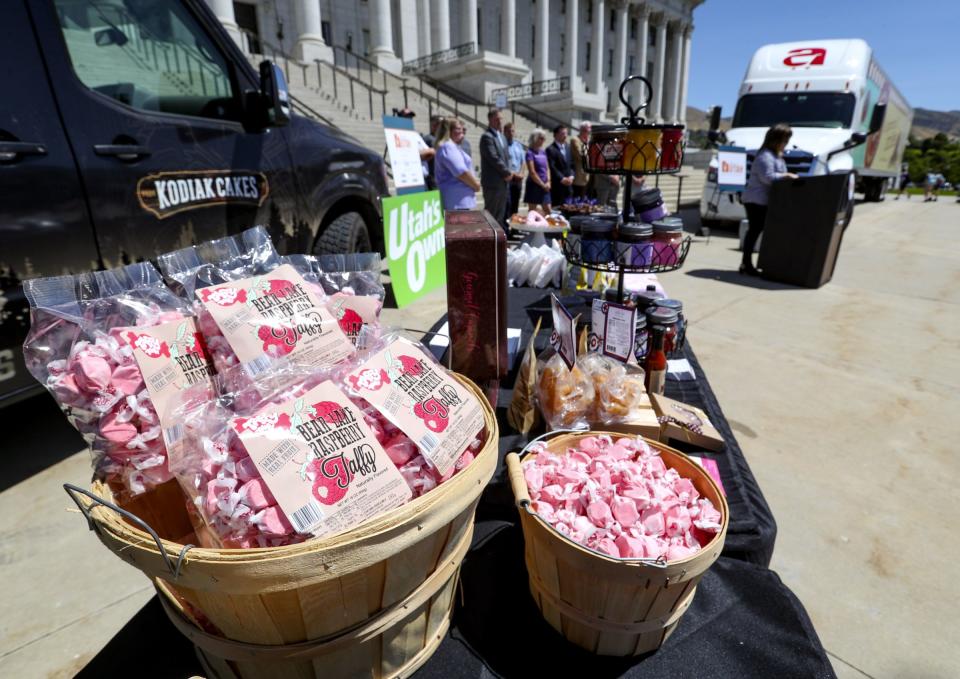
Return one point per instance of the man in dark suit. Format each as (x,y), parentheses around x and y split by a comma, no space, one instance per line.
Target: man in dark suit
(561,166)
(495,173)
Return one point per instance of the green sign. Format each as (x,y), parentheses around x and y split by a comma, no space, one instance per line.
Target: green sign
(416,245)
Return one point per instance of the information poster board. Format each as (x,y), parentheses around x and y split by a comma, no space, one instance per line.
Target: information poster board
(732,168)
(403,149)
(415,243)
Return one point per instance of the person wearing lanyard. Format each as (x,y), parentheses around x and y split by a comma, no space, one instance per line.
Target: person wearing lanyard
(454,168)
(768,166)
(515,155)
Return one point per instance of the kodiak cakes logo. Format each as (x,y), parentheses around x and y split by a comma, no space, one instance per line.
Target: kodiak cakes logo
(168,193)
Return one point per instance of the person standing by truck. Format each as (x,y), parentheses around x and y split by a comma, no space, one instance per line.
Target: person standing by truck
(768,167)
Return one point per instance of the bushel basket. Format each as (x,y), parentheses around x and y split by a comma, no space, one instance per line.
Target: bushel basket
(617,607)
(372,602)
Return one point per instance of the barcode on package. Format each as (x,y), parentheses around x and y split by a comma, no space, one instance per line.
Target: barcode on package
(173,435)
(428,442)
(256,366)
(306,517)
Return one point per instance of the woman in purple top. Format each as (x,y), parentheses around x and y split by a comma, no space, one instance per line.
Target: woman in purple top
(768,166)
(537,191)
(453,168)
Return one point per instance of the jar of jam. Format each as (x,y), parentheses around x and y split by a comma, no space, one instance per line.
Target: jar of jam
(666,318)
(596,240)
(648,298)
(574,233)
(648,205)
(681,336)
(635,244)
(605,150)
(641,340)
(667,238)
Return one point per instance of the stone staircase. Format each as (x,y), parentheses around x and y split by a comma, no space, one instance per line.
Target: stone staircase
(355,97)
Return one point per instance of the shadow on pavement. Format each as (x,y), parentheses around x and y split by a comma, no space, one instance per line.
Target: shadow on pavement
(736,278)
(37,436)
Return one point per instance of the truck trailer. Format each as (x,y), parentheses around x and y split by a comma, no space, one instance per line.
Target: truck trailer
(828,92)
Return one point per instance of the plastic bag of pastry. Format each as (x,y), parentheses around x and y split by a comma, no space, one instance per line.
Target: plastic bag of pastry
(523,415)
(619,388)
(352,288)
(565,396)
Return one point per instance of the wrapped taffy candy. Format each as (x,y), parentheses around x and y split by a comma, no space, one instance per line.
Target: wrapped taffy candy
(254,309)
(565,395)
(114,348)
(619,498)
(430,424)
(618,388)
(352,288)
(298,461)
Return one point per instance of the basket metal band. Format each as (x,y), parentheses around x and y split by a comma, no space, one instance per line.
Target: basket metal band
(228,649)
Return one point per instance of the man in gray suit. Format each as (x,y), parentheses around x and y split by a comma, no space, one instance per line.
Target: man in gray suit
(495,174)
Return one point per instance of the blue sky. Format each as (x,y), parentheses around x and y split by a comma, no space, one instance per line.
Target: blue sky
(917,43)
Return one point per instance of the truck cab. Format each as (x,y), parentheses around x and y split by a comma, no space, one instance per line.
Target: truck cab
(133,127)
(828,92)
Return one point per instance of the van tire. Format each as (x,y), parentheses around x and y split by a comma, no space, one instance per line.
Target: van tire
(346,233)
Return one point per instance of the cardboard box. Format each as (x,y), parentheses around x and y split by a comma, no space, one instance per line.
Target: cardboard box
(643,422)
(477,294)
(708,437)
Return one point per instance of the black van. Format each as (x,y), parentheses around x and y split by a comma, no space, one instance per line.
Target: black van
(133,127)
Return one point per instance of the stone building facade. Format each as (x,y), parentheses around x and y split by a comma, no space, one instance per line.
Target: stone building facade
(566,57)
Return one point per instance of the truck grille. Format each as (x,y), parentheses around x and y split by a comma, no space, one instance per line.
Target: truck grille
(798,162)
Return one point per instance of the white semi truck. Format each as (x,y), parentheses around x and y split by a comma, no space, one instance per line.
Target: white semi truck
(845,112)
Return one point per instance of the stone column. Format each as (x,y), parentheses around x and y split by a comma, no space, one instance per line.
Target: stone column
(620,58)
(423,17)
(596,40)
(508,27)
(656,108)
(573,40)
(468,22)
(310,45)
(676,72)
(224,11)
(440,24)
(542,24)
(685,76)
(643,14)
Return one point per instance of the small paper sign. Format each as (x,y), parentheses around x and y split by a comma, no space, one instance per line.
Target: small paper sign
(620,325)
(563,339)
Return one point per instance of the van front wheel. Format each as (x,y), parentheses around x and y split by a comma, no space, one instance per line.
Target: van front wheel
(346,233)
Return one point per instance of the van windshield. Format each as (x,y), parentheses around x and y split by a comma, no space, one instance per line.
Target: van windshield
(800,109)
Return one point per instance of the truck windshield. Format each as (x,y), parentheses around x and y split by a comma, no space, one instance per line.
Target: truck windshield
(808,109)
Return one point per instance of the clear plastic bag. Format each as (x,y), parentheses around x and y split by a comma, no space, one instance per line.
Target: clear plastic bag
(253,308)
(618,388)
(565,396)
(113,348)
(405,396)
(352,287)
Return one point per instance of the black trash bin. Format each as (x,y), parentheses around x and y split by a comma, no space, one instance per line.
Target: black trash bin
(804,227)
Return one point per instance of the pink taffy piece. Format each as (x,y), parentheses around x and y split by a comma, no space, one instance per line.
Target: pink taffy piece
(599,513)
(127,379)
(400,450)
(257,495)
(274,522)
(120,433)
(652,520)
(630,548)
(92,373)
(625,511)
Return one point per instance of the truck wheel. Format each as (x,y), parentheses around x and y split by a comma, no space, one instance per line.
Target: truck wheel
(346,233)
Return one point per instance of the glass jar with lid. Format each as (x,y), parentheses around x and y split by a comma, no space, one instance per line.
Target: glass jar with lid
(667,318)
(667,239)
(596,240)
(635,244)
(677,306)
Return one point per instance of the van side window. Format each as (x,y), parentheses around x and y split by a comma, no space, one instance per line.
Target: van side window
(148,54)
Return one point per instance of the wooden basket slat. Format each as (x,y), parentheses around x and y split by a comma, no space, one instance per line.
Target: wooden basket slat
(406,570)
(321,609)
(441,607)
(608,605)
(361,661)
(404,641)
(284,610)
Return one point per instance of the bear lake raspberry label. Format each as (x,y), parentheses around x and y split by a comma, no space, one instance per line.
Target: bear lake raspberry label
(273,316)
(422,400)
(322,462)
(171,357)
(353,312)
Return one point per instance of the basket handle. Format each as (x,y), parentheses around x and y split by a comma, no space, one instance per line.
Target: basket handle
(85,509)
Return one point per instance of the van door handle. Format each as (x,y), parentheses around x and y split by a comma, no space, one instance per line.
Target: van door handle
(11,149)
(121,151)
